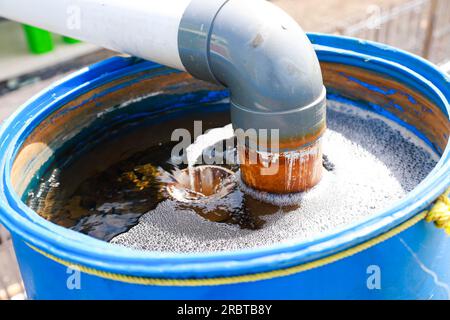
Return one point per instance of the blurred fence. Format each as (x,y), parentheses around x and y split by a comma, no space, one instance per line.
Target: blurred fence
(418,26)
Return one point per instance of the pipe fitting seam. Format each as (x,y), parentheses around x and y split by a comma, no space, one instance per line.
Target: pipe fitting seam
(194,34)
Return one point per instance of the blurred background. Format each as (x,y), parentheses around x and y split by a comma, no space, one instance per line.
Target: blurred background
(31,59)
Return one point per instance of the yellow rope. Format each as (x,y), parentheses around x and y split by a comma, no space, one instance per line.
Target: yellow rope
(439,213)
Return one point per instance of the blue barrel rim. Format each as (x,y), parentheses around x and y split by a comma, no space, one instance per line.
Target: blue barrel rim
(75,247)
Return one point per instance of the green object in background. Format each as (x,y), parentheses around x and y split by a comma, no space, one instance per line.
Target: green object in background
(39,41)
(70,40)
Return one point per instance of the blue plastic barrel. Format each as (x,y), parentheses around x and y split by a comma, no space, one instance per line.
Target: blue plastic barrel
(412,255)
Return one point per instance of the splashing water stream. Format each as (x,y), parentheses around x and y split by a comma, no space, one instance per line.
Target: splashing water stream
(202,143)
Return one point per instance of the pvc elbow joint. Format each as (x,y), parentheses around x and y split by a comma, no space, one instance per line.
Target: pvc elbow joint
(265,59)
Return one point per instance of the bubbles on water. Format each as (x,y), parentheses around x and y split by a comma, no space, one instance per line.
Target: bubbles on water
(369,165)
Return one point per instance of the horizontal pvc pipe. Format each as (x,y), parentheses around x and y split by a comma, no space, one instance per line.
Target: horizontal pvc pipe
(142,28)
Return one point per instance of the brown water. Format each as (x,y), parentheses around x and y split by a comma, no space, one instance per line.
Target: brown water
(110,202)
(114,198)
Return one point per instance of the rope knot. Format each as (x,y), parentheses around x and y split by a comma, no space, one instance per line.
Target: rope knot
(440,212)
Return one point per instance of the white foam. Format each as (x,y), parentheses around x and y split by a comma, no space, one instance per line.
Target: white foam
(407,134)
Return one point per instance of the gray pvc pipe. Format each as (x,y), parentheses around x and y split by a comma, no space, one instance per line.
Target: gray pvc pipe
(265,59)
